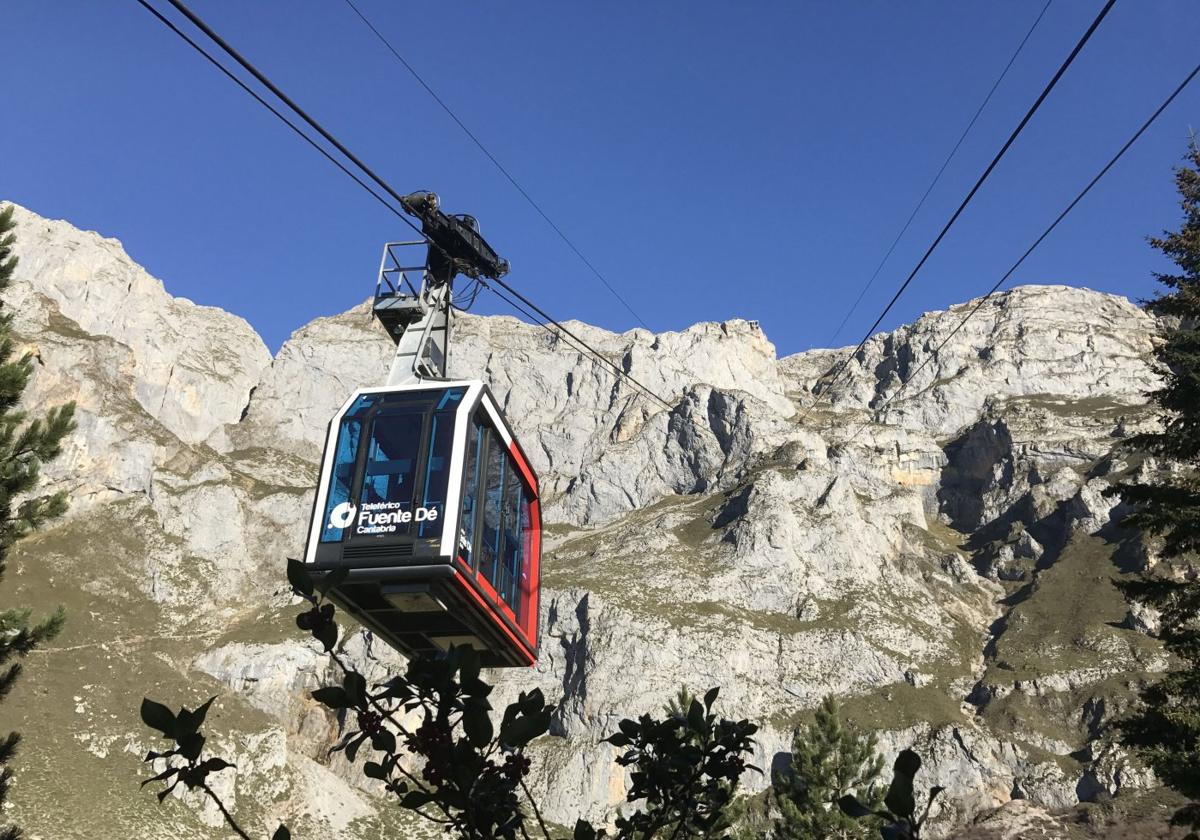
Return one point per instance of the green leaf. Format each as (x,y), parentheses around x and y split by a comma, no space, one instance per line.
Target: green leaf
(711,696)
(384,741)
(851,807)
(899,799)
(415,799)
(352,747)
(166,774)
(584,831)
(189,721)
(475,687)
(374,770)
(299,578)
(282,833)
(468,664)
(355,685)
(332,580)
(519,731)
(332,696)
(477,723)
(157,716)
(327,635)
(907,763)
(532,702)
(934,792)
(191,745)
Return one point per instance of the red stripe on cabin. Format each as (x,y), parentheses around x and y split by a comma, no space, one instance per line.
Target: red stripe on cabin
(487,608)
(495,598)
(523,466)
(534,553)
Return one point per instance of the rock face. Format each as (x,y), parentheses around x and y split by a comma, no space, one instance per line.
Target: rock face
(942,564)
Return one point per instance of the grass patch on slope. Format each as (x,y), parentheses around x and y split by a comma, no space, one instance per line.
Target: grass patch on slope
(1068,619)
(887,708)
(77,703)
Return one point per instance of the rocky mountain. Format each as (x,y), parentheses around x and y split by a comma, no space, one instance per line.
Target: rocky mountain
(943,565)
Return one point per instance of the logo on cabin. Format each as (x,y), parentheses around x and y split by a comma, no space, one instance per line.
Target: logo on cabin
(390,517)
(342,515)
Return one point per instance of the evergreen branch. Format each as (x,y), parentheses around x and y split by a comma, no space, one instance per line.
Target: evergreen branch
(26,639)
(8,747)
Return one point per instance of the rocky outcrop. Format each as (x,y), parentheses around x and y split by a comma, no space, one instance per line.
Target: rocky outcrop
(1066,343)
(189,367)
(942,565)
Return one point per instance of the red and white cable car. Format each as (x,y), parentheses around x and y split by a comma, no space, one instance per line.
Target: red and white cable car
(425,497)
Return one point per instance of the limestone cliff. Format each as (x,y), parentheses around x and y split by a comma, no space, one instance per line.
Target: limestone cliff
(943,566)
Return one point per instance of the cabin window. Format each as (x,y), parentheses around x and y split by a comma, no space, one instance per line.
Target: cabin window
(388,475)
(497,515)
(397,484)
(340,478)
(437,470)
(511,555)
(526,536)
(470,505)
(489,543)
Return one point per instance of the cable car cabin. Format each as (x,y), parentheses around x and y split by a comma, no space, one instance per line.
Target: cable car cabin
(429,501)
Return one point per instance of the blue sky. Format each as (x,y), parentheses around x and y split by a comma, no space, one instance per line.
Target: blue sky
(714,160)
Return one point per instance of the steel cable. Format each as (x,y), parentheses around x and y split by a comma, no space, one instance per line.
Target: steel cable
(499,166)
(936,178)
(979,304)
(833,379)
(266,82)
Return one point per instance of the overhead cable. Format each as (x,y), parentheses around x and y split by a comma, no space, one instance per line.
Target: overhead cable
(250,68)
(979,304)
(499,166)
(299,132)
(564,331)
(284,98)
(936,178)
(970,195)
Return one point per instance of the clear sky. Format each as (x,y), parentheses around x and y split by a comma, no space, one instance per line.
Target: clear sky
(714,160)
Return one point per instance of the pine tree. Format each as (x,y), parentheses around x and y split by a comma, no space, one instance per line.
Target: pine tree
(25,444)
(1167,730)
(828,762)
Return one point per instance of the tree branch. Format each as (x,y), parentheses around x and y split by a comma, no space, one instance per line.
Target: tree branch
(224,811)
(536,811)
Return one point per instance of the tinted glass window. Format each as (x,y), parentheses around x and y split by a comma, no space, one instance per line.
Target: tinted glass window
(470,505)
(388,472)
(338,498)
(510,567)
(432,512)
(526,513)
(493,491)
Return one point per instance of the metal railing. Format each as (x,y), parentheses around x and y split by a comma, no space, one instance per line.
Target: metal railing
(394,273)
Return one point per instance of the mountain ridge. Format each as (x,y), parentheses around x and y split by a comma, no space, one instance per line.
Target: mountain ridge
(788,560)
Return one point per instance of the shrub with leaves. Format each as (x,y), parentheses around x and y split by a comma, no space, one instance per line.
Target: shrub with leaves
(183,762)
(685,768)
(435,747)
(900,821)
